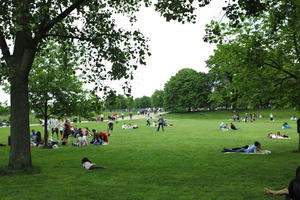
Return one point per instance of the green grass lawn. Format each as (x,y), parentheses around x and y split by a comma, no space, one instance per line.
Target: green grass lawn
(184,162)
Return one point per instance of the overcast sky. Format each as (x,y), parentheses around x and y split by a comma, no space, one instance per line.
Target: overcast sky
(173,46)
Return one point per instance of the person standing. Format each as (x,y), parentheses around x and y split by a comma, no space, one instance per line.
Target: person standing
(110,127)
(122,115)
(148,121)
(271,117)
(161,123)
(54,123)
(130,115)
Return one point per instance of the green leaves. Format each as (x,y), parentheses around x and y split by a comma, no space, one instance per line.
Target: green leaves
(187,90)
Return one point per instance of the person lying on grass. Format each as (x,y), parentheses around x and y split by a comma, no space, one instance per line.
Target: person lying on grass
(87,164)
(292,192)
(277,136)
(255,148)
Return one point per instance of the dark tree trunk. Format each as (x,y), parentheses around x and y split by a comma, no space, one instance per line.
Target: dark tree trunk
(46,132)
(21,62)
(20,156)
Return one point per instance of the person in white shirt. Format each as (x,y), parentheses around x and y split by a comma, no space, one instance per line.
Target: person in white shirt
(54,123)
(87,164)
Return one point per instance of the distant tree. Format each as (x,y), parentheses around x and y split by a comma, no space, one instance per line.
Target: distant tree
(143,102)
(157,99)
(52,92)
(4,108)
(130,103)
(121,102)
(186,91)
(111,100)
(88,106)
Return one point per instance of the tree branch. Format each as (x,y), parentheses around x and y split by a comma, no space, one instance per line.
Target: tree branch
(4,47)
(75,37)
(70,37)
(282,70)
(44,29)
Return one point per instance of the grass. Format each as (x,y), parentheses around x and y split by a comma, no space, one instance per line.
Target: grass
(184,162)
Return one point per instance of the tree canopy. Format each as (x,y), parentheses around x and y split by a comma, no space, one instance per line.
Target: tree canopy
(186,91)
(257,60)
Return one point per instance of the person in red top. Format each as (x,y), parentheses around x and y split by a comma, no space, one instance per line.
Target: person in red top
(103,136)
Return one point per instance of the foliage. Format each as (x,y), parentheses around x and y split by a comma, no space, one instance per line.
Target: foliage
(143,102)
(4,108)
(260,55)
(186,91)
(157,98)
(53,87)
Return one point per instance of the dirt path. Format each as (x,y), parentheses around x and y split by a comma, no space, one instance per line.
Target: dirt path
(135,117)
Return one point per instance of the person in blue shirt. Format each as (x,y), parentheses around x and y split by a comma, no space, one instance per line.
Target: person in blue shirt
(286,125)
(246,149)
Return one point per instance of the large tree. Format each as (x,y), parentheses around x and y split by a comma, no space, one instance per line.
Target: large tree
(186,91)
(261,53)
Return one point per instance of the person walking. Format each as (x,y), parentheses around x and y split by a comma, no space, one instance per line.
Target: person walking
(161,123)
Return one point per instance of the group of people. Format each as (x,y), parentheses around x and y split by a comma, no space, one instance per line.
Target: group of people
(226,127)
(247,117)
(129,126)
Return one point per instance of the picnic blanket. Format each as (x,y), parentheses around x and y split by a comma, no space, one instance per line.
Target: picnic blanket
(263,152)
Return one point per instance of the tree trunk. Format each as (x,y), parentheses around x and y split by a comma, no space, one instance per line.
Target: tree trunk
(46,132)
(21,62)
(20,156)
(299,143)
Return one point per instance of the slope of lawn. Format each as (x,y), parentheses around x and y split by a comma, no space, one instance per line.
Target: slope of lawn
(184,162)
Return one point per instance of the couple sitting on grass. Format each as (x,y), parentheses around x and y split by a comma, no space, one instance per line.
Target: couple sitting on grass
(277,136)
(225,127)
(255,148)
(130,126)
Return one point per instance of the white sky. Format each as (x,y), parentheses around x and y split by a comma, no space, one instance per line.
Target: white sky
(173,46)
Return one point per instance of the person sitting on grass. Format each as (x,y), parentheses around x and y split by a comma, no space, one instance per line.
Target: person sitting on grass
(255,148)
(286,125)
(293,190)
(233,127)
(124,126)
(87,164)
(81,140)
(101,138)
(223,127)
(38,140)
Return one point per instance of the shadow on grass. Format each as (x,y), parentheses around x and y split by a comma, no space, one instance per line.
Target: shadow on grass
(4,171)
